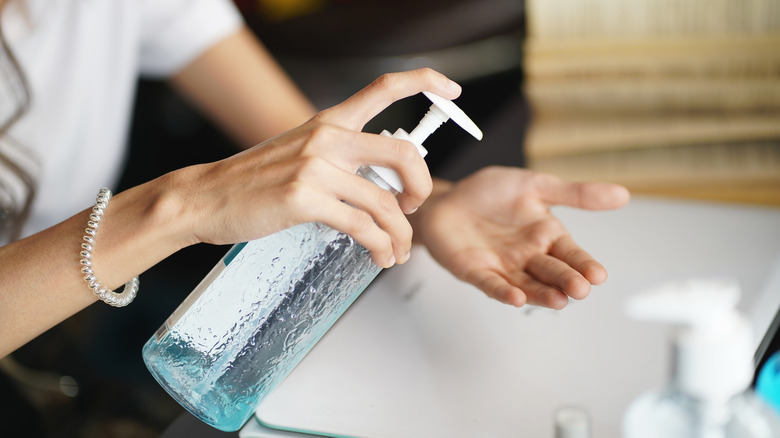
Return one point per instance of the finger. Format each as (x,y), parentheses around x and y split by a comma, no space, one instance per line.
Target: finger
(540,294)
(518,290)
(356,111)
(585,195)
(383,208)
(356,223)
(497,287)
(536,292)
(556,273)
(378,210)
(348,150)
(400,155)
(567,250)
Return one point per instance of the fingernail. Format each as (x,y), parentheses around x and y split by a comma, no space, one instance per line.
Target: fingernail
(390,261)
(407,257)
(454,86)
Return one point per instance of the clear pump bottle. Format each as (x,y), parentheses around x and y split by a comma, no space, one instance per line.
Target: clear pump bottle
(708,395)
(243,329)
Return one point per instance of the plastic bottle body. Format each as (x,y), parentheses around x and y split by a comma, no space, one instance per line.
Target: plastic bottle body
(672,414)
(254,317)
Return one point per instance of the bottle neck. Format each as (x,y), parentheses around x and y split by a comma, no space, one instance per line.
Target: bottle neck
(429,123)
(368,173)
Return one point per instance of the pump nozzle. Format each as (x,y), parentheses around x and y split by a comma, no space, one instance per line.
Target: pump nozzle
(440,111)
(696,303)
(713,359)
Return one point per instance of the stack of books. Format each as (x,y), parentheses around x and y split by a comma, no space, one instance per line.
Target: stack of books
(669,97)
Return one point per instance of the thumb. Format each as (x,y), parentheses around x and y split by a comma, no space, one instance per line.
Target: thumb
(356,111)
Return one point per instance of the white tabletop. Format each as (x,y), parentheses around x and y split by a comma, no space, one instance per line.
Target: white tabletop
(421,354)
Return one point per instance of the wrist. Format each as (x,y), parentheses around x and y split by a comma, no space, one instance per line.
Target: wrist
(143,226)
(168,207)
(440,189)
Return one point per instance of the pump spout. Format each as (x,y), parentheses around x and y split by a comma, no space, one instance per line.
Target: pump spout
(434,118)
(441,111)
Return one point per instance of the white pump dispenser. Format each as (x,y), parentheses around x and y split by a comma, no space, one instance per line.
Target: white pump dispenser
(709,391)
(440,111)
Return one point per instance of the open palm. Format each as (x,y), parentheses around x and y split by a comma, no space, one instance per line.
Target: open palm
(494,230)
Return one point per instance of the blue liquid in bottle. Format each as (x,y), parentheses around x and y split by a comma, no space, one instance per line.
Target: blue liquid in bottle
(269,302)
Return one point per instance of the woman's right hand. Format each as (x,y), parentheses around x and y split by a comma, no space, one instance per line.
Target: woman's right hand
(309,174)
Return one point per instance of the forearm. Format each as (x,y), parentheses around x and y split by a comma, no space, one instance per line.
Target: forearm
(40,279)
(240,86)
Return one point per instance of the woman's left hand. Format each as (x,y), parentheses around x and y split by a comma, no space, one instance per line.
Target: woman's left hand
(494,230)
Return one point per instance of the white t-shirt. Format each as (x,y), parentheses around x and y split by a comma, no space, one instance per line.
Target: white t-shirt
(82,59)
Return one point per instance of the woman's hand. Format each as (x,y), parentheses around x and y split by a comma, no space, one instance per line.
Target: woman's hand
(309,174)
(495,231)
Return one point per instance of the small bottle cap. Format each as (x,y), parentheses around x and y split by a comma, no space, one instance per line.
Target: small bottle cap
(572,422)
(712,341)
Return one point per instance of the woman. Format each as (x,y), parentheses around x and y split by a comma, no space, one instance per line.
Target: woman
(81,60)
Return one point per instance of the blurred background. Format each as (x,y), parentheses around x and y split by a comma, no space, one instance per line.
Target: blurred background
(675,98)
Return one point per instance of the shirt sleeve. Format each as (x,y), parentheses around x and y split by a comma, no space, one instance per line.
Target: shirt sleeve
(175,32)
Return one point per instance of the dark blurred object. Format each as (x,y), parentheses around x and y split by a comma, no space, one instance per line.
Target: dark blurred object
(334,48)
(382,28)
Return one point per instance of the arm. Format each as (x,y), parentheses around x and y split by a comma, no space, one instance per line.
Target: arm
(239,85)
(300,176)
(40,279)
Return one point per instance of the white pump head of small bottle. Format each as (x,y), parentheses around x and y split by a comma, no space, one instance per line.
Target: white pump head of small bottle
(712,341)
(440,111)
